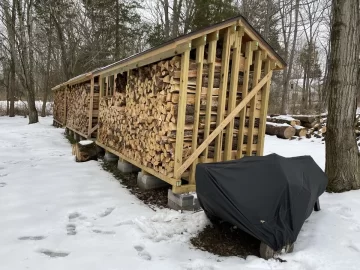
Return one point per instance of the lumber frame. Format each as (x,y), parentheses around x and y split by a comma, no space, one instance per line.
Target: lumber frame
(91,107)
(223,89)
(256,78)
(65,110)
(200,50)
(235,68)
(213,38)
(227,120)
(264,108)
(165,178)
(250,47)
(185,60)
(102,85)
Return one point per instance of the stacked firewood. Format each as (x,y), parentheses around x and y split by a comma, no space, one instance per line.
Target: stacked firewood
(59,106)
(78,103)
(141,122)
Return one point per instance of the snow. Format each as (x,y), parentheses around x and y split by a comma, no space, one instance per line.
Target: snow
(298,127)
(59,214)
(86,142)
(277,124)
(284,117)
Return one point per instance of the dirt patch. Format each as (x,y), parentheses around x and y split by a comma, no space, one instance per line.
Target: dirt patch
(152,198)
(224,239)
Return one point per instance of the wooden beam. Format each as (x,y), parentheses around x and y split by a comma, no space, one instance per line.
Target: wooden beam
(91,106)
(101,82)
(211,61)
(226,121)
(248,61)
(222,91)
(107,85)
(184,189)
(256,78)
(165,178)
(185,61)
(199,61)
(264,108)
(94,128)
(233,91)
(65,110)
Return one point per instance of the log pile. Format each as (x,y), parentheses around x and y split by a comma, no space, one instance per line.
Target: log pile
(59,106)
(141,122)
(84,151)
(78,105)
(309,126)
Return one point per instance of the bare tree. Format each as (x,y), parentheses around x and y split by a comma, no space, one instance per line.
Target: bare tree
(10,21)
(342,154)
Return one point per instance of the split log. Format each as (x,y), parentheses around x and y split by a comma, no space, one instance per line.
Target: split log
(84,151)
(283,131)
(300,131)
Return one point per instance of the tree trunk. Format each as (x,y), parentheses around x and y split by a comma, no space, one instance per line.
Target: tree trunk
(165,4)
(342,154)
(303,94)
(48,62)
(117,31)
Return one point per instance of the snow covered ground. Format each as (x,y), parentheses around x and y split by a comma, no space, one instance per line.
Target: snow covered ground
(59,214)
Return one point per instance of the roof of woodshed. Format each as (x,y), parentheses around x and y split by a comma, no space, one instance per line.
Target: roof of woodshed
(136,60)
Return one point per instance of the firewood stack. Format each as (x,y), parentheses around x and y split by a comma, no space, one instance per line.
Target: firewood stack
(59,106)
(141,122)
(78,103)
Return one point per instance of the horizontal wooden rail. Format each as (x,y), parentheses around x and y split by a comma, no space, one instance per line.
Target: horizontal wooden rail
(223,124)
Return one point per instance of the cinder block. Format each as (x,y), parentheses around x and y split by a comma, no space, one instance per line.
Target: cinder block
(146,182)
(110,156)
(182,201)
(126,167)
(76,137)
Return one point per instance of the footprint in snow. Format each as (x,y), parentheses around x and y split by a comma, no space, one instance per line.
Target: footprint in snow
(107,212)
(32,238)
(142,252)
(2,184)
(104,232)
(53,254)
(354,247)
(3,175)
(71,229)
(126,222)
(76,215)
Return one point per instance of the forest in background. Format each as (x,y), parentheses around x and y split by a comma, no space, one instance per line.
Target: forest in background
(46,42)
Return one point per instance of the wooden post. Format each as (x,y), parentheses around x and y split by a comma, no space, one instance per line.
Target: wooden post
(264,108)
(233,92)
(199,61)
(101,82)
(227,120)
(222,91)
(250,47)
(251,128)
(114,89)
(185,60)
(107,85)
(65,108)
(213,38)
(91,107)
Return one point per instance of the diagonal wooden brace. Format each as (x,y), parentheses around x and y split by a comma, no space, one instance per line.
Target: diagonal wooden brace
(223,124)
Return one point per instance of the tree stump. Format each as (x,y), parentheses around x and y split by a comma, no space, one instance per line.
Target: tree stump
(85,151)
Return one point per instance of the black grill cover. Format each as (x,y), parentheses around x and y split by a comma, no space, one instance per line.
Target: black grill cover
(268,197)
